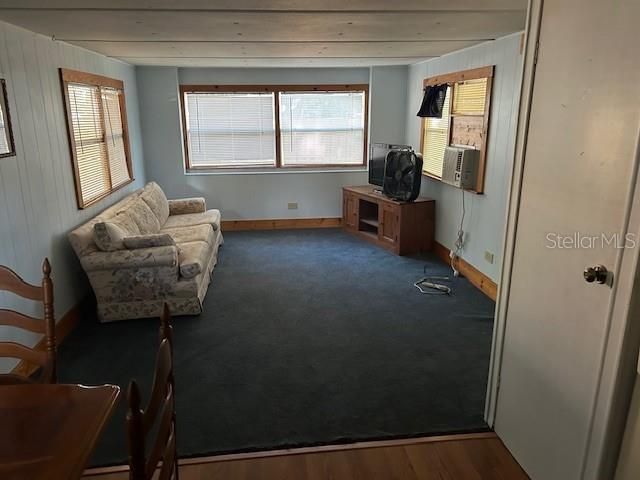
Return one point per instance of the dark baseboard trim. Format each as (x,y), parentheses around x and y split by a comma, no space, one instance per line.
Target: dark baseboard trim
(64,327)
(281,224)
(471,273)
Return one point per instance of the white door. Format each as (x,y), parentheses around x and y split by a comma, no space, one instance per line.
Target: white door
(579,160)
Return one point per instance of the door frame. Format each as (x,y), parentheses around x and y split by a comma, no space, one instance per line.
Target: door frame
(621,342)
(532,33)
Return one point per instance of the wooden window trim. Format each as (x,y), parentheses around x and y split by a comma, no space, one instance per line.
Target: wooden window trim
(276,90)
(75,76)
(454,77)
(68,76)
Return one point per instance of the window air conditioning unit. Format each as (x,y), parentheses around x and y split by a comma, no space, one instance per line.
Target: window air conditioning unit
(460,167)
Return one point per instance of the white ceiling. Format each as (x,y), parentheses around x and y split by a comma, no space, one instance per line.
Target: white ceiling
(271,32)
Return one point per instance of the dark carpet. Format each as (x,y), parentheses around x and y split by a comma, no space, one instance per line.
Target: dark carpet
(307,337)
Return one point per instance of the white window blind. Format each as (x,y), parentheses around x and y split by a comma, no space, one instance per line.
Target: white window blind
(114,136)
(4,135)
(230,129)
(322,128)
(436,138)
(469,97)
(98,139)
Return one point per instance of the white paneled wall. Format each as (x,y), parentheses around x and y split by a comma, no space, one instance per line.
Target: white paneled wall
(37,197)
(485,214)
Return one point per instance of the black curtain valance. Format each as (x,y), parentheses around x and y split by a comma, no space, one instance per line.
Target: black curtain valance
(433,101)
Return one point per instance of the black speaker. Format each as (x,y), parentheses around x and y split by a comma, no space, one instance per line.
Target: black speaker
(402,175)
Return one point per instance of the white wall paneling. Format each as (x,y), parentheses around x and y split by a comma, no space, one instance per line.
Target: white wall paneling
(485,214)
(37,196)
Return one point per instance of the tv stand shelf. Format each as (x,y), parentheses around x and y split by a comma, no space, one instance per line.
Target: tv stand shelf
(402,227)
(370,221)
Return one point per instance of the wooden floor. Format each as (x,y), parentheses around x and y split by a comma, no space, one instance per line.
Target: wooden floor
(474,457)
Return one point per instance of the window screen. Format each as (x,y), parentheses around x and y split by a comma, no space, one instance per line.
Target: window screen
(230,129)
(322,128)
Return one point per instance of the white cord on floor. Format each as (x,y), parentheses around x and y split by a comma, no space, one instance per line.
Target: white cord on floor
(428,287)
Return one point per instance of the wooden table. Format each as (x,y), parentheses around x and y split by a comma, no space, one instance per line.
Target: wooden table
(49,431)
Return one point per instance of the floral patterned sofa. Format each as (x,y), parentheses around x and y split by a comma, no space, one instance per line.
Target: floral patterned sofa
(146,250)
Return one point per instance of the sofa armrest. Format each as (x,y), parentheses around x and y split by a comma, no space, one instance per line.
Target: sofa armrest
(166,256)
(187,205)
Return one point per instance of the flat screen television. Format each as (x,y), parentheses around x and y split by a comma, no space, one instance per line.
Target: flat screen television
(377,155)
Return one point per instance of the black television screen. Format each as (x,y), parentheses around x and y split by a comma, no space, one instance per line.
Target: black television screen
(377,156)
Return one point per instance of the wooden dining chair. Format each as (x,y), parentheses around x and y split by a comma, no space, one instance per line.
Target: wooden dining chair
(159,416)
(45,360)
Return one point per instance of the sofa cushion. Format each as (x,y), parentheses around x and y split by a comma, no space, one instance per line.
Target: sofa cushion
(192,258)
(187,205)
(211,217)
(143,216)
(155,198)
(110,234)
(194,233)
(149,241)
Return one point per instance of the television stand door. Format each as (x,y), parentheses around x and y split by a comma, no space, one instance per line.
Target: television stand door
(402,227)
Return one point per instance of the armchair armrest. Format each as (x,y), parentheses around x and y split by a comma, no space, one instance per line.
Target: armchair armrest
(187,205)
(166,256)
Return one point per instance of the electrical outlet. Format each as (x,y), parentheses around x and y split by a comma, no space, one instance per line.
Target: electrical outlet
(292,206)
(488,256)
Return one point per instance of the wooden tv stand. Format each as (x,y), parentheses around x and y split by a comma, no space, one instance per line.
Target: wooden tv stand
(402,227)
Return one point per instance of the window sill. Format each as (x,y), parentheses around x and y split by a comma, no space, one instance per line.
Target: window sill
(273,171)
(91,203)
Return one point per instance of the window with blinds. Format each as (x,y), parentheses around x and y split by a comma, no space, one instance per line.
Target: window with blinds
(291,126)
(322,128)
(463,117)
(230,129)
(6,138)
(98,136)
(469,97)
(436,138)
